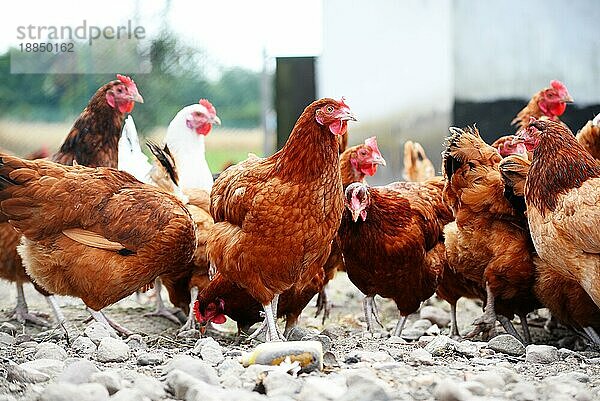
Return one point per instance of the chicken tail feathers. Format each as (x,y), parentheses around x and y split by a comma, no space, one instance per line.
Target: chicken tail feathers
(166,159)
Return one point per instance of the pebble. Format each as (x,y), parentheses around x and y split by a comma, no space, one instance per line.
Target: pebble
(412,333)
(50,351)
(278,383)
(109,379)
(8,328)
(435,315)
(523,391)
(20,374)
(422,324)
(396,340)
(26,344)
(136,342)
(128,394)
(441,345)
(541,354)
(188,334)
(50,367)
(363,384)
(420,356)
(448,390)
(52,334)
(78,372)
(321,389)
(209,350)
(434,330)
(490,380)
(96,331)
(322,338)
(150,358)
(467,348)
(297,333)
(112,350)
(73,392)
(6,339)
(180,382)
(371,356)
(195,367)
(150,387)
(507,344)
(84,345)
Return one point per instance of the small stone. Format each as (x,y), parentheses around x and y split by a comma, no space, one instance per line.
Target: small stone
(490,380)
(541,354)
(419,356)
(329,360)
(109,379)
(447,390)
(320,388)
(72,392)
(396,340)
(96,331)
(24,338)
(8,328)
(78,372)
(363,384)
(51,367)
(475,388)
(195,367)
(426,339)
(435,315)
(422,324)
(84,345)
(441,345)
(128,394)
(150,358)
(467,348)
(371,356)
(297,333)
(506,344)
(323,339)
(412,334)
(209,350)
(15,373)
(188,334)
(6,339)
(28,344)
(523,391)
(231,365)
(150,387)
(112,350)
(50,351)
(180,383)
(52,334)
(279,383)
(433,330)
(136,342)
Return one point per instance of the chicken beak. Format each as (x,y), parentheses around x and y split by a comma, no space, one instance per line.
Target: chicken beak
(355,215)
(378,159)
(137,98)
(216,120)
(567,99)
(347,115)
(202,329)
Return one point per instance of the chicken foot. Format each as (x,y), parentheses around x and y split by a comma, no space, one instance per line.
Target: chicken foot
(593,335)
(486,322)
(22,314)
(191,320)
(509,328)
(111,326)
(161,310)
(269,323)
(323,305)
(370,310)
(400,326)
(525,326)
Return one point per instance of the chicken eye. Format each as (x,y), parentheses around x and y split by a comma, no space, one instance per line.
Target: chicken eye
(329,109)
(363,152)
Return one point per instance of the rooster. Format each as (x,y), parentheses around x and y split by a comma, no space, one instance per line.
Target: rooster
(488,244)
(392,241)
(589,137)
(275,217)
(86,232)
(91,141)
(562,193)
(549,103)
(223,297)
(417,166)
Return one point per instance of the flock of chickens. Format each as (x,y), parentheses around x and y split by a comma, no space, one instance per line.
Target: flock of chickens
(514,224)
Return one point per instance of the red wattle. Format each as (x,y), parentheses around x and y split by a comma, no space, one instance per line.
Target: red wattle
(126,107)
(219,319)
(558,108)
(338,127)
(199,317)
(204,129)
(369,170)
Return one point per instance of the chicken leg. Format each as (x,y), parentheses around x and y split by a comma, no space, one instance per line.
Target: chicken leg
(269,324)
(525,326)
(22,314)
(486,322)
(191,320)
(370,310)
(323,305)
(509,328)
(454,333)
(161,310)
(111,326)
(400,326)
(592,335)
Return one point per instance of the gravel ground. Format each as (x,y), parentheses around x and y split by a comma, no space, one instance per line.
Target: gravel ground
(157,364)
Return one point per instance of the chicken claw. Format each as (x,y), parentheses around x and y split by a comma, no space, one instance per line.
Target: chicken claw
(112,326)
(323,305)
(270,323)
(190,323)
(370,310)
(22,314)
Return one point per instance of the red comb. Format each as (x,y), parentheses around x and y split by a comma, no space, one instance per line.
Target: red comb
(343,102)
(125,79)
(557,85)
(372,143)
(211,109)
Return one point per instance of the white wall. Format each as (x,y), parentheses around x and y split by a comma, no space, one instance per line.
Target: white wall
(512,48)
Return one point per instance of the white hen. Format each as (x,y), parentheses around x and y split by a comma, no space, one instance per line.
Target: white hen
(131,157)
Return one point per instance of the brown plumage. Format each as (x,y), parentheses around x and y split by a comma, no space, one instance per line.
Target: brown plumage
(562,193)
(87,231)
(417,166)
(277,216)
(355,163)
(392,242)
(488,244)
(589,137)
(549,103)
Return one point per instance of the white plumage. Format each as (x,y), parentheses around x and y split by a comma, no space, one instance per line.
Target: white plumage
(131,157)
